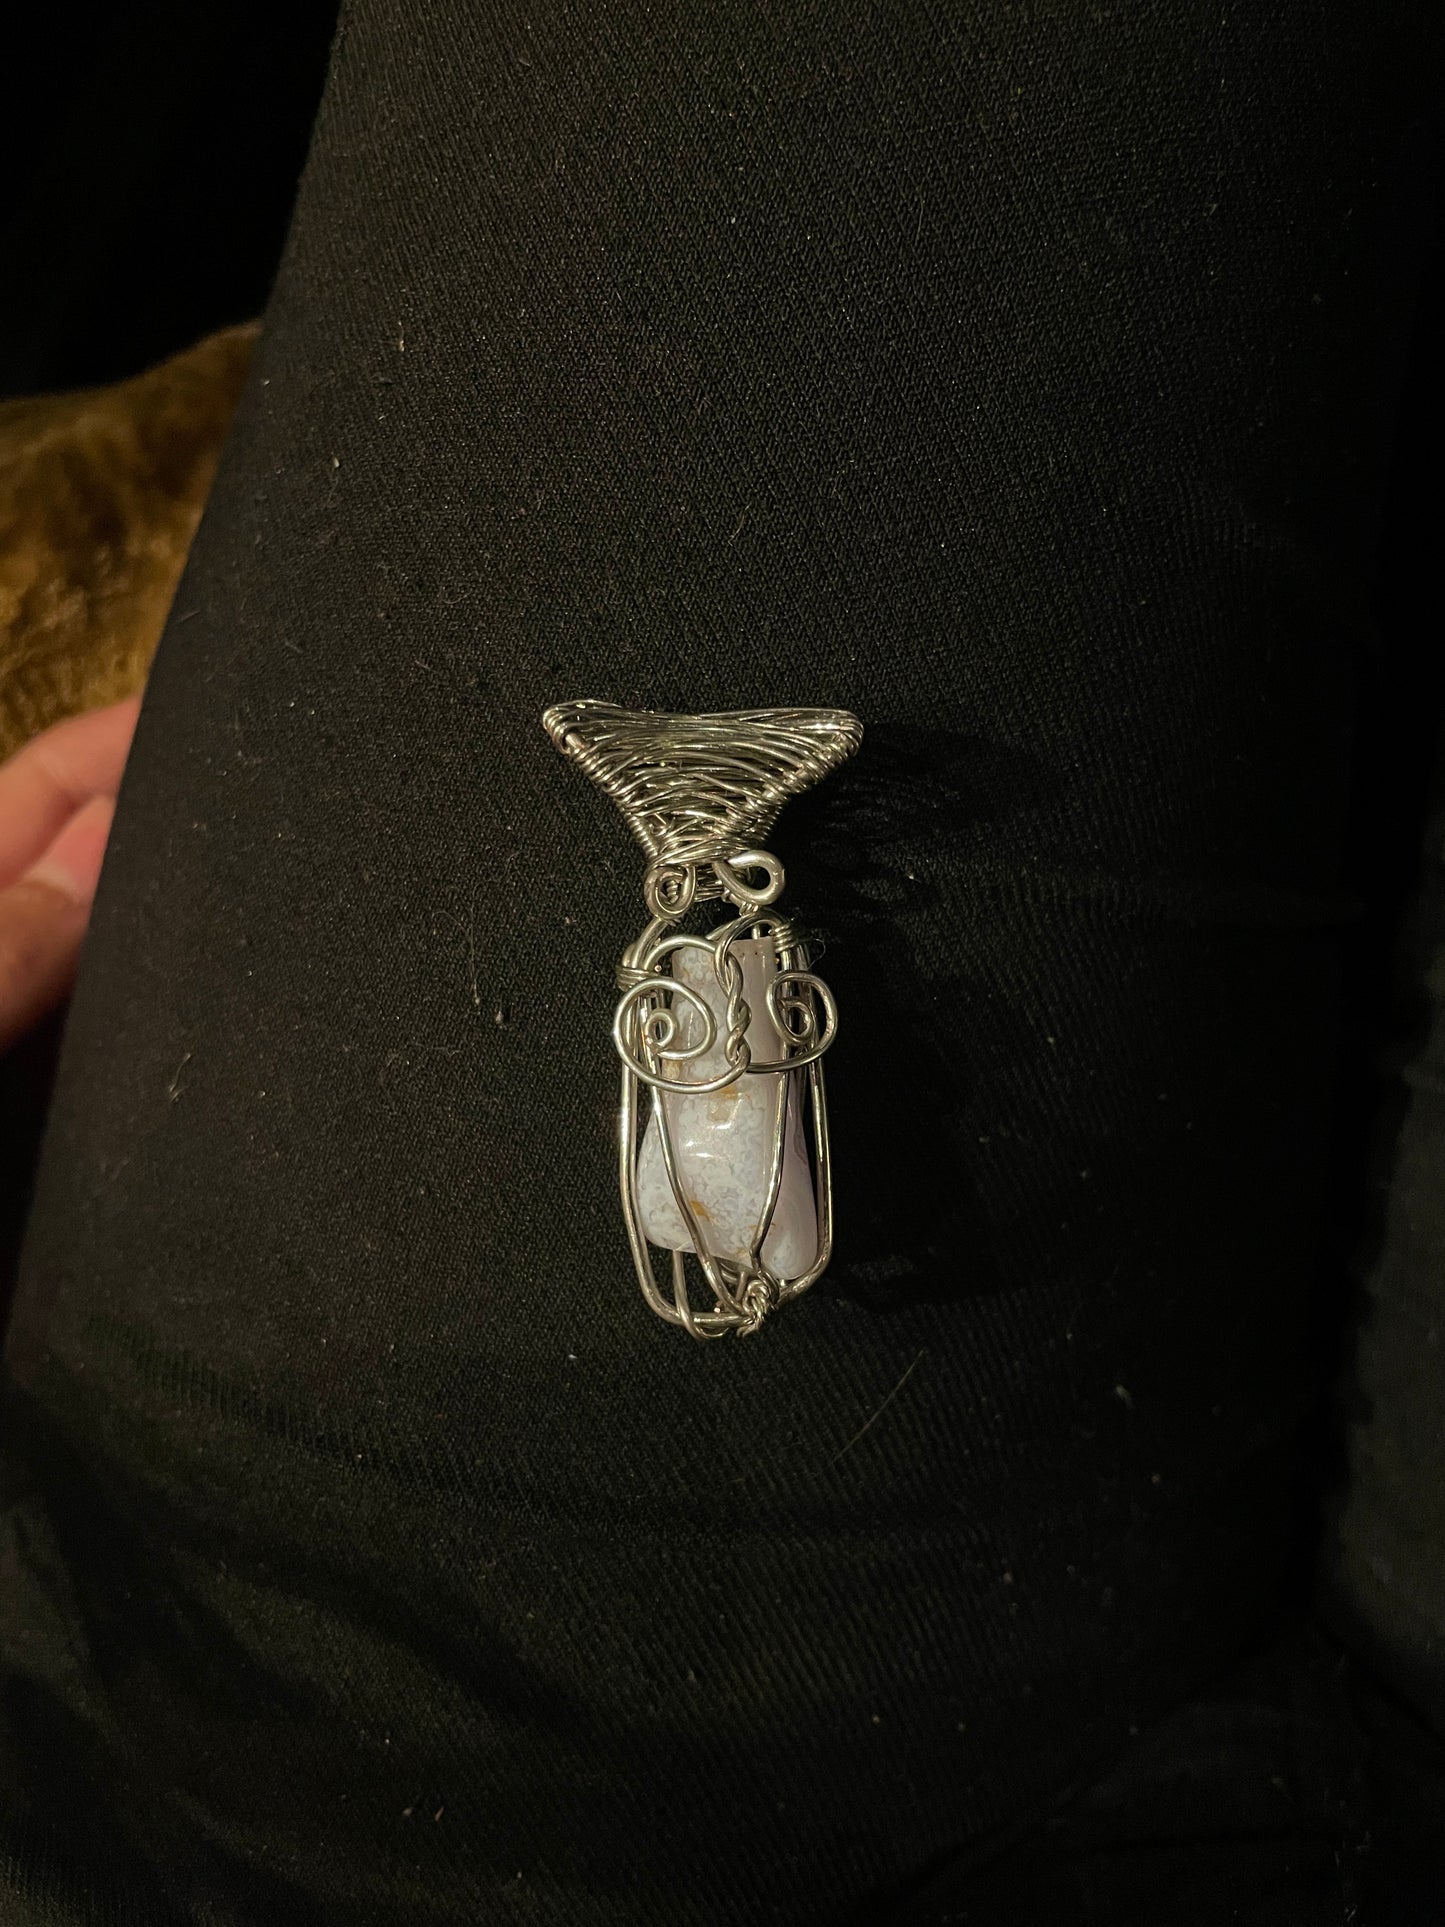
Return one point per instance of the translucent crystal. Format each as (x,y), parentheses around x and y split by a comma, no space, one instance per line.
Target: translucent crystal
(722,1141)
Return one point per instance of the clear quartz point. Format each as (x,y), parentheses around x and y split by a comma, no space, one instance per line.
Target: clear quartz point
(722,1141)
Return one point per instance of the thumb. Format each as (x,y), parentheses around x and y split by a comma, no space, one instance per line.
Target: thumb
(43,918)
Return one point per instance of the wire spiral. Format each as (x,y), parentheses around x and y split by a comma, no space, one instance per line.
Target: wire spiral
(701,790)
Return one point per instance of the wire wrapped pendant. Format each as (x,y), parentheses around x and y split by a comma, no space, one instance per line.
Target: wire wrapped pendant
(726,1161)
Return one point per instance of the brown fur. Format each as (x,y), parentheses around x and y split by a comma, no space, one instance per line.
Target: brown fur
(100,494)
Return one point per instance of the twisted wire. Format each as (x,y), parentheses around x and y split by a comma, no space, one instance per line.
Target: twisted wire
(697,789)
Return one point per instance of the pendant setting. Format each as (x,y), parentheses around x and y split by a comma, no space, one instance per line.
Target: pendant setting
(725,1162)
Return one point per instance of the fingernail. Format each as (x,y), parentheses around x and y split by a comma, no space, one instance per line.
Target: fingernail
(72,863)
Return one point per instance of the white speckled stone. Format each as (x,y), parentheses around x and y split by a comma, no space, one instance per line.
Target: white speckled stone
(723,1140)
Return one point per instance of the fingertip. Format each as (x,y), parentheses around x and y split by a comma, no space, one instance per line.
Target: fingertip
(72,863)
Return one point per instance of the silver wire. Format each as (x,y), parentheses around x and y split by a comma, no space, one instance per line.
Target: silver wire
(700,793)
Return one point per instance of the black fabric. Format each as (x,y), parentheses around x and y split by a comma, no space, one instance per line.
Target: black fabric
(1019,377)
(1385,1551)
(1387,1547)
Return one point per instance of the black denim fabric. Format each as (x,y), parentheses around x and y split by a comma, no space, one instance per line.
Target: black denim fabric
(1017,375)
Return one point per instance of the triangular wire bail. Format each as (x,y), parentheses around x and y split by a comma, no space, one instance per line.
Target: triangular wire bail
(697,788)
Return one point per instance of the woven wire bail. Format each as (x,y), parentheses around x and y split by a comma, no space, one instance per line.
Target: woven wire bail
(695,789)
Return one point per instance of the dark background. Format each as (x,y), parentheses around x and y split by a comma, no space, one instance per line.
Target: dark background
(150,155)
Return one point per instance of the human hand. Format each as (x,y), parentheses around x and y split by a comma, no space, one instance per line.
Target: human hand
(57,796)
